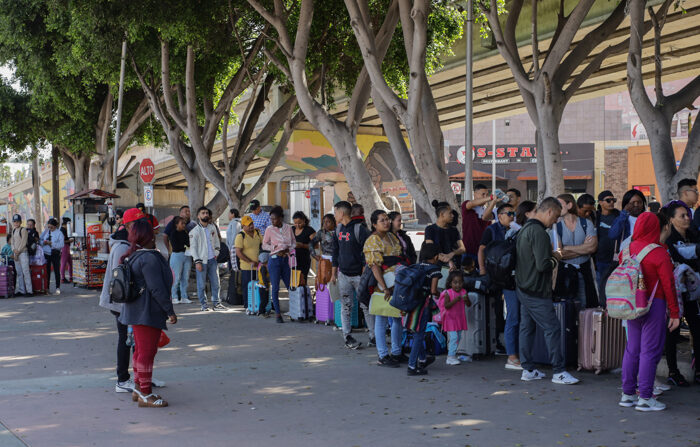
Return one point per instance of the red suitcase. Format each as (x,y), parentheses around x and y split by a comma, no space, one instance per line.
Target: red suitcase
(7,281)
(601,341)
(40,280)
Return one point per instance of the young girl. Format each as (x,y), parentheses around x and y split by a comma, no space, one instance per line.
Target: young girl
(452,310)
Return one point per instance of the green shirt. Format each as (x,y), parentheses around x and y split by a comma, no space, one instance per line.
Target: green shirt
(533,272)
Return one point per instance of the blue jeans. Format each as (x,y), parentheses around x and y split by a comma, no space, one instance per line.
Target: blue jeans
(511,333)
(380,323)
(180,265)
(279,270)
(452,342)
(209,270)
(418,349)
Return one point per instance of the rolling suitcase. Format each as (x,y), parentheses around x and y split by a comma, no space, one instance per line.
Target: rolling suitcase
(354,315)
(324,305)
(7,281)
(233,297)
(480,337)
(301,307)
(601,341)
(258,299)
(567,314)
(40,279)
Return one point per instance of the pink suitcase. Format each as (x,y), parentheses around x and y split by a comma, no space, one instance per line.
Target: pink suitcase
(601,341)
(324,305)
(7,281)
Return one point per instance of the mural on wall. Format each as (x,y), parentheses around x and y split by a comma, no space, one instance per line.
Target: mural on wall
(22,199)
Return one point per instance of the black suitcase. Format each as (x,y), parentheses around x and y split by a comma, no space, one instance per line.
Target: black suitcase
(567,314)
(234,296)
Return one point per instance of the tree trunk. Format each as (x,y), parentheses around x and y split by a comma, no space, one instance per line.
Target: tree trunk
(541,177)
(664,159)
(353,167)
(36,186)
(549,117)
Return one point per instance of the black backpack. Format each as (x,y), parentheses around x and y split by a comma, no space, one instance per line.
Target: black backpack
(500,259)
(122,288)
(224,254)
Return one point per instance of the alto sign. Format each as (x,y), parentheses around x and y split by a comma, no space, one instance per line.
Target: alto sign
(147,170)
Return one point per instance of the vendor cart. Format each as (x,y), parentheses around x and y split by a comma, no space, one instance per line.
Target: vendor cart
(90,233)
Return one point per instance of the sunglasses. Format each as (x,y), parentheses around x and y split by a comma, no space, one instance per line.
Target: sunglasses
(509,213)
(609,200)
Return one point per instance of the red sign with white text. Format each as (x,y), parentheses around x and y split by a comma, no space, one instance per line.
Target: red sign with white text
(147,170)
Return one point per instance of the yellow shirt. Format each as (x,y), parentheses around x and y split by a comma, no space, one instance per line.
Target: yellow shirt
(250,246)
(376,248)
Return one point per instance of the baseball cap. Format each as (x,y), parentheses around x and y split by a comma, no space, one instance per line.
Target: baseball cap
(604,194)
(132,215)
(140,205)
(246,220)
(16,218)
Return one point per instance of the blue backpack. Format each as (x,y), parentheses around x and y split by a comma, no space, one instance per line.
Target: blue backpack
(408,286)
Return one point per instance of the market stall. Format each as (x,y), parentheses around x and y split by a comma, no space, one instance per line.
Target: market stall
(90,232)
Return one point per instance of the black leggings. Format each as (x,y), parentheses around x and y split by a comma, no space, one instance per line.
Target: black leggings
(123,351)
(690,313)
(54,259)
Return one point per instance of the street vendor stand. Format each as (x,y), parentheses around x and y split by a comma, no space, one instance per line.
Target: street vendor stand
(90,233)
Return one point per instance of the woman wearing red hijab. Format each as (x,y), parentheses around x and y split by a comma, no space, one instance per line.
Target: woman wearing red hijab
(646,335)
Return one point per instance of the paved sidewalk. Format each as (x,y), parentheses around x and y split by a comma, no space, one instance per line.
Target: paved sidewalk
(234,380)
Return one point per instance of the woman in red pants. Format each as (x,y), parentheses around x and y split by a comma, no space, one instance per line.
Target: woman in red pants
(148,313)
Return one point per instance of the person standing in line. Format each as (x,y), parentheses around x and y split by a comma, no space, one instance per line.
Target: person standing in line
(303,234)
(247,245)
(475,219)
(261,218)
(66,258)
(533,279)
(20,235)
(646,334)
(184,213)
(179,243)
(148,313)
(514,196)
(325,237)
(586,207)
(688,194)
(607,246)
(52,243)
(149,217)
(204,246)
(348,264)
(406,242)
(279,240)
(118,246)
(446,237)
(633,204)
(234,278)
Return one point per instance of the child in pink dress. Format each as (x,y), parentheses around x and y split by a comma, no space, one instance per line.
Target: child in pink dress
(452,311)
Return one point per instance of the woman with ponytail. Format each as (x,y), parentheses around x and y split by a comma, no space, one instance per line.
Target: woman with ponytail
(148,313)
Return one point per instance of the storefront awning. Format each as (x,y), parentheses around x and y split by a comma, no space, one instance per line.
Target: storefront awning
(92,194)
(568,175)
(476,175)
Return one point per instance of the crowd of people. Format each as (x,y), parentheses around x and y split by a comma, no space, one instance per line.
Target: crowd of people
(566,249)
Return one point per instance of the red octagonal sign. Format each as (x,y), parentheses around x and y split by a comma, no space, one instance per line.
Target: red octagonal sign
(147,170)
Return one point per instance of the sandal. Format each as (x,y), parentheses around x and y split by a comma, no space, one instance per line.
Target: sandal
(136,393)
(152,401)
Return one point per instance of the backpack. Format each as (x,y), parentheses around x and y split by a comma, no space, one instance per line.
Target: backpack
(626,294)
(121,286)
(224,254)
(31,240)
(560,227)
(408,286)
(500,258)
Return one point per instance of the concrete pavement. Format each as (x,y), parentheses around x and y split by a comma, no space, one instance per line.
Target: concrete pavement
(247,381)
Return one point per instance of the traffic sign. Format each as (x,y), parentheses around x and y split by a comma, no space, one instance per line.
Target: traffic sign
(456,187)
(148,195)
(147,170)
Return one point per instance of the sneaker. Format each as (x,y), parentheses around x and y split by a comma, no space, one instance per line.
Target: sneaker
(628,400)
(564,378)
(351,343)
(124,387)
(650,404)
(401,358)
(452,361)
(186,301)
(422,364)
(388,362)
(515,366)
(177,301)
(464,358)
(280,319)
(57,292)
(677,379)
(661,386)
(372,342)
(500,349)
(219,306)
(416,371)
(529,376)
(157,383)
(206,309)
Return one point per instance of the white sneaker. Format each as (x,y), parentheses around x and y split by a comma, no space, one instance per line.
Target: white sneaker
(649,405)
(529,376)
(657,391)
(452,361)
(157,383)
(124,387)
(58,292)
(661,386)
(513,366)
(177,301)
(464,358)
(186,301)
(564,378)
(628,400)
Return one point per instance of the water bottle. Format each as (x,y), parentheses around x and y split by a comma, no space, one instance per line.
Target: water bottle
(130,337)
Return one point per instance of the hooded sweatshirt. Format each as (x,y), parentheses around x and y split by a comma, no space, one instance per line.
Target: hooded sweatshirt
(118,245)
(347,248)
(657,265)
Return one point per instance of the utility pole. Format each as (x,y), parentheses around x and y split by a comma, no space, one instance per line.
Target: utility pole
(469,109)
(55,199)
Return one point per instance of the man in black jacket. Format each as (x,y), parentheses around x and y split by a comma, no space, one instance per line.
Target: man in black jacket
(348,263)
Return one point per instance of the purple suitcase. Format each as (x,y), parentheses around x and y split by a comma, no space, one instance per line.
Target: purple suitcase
(7,281)
(324,305)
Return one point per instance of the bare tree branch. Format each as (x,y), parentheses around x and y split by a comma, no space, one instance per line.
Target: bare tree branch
(167,95)
(682,98)
(535,42)
(563,43)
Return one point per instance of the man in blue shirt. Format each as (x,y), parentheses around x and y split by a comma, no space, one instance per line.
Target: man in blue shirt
(261,219)
(52,243)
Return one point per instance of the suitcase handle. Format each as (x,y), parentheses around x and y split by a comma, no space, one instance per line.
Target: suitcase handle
(593,344)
